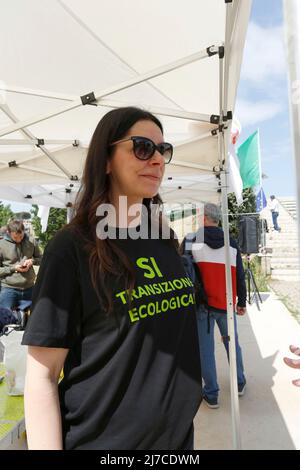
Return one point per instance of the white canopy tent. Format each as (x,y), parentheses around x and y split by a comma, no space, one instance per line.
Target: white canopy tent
(65,63)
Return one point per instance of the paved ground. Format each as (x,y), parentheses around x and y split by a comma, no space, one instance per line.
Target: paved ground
(269,410)
(289,293)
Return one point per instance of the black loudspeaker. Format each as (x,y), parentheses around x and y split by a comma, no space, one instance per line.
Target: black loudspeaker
(249,234)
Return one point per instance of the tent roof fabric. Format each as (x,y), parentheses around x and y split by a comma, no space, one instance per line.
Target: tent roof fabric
(54,52)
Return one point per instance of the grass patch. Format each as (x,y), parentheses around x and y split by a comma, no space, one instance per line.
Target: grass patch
(261,279)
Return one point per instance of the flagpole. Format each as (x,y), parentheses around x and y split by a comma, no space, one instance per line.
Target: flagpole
(260,170)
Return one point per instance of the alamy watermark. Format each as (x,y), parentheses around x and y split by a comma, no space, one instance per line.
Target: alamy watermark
(137,221)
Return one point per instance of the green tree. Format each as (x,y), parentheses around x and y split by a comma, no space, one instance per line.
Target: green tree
(5,214)
(57,219)
(248,206)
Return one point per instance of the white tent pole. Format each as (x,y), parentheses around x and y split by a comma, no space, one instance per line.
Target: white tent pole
(235,415)
(260,172)
(7,111)
(70,214)
(36,170)
(191,165)
(52,191)
(229,22)
(22,164)
(158,110)
(114,104)
(113,89)
(196,190)
(292,28)
(221,89)
(35,142)
(42,171)
(39,93)
(211,133)
(42,117)
(30,136)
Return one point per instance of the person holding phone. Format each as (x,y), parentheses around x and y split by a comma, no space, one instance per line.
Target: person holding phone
(18,254)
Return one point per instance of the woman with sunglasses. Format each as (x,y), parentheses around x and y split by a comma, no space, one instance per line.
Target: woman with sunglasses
(116,313)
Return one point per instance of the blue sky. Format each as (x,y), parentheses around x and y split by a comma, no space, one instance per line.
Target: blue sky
(262,101)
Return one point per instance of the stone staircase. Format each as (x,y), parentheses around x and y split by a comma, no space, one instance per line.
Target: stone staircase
(285,260)
(289,204)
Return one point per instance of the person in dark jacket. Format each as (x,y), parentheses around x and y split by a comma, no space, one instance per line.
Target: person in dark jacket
(210,260)
(18,254)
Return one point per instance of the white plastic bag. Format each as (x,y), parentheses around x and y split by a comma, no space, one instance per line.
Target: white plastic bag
(14,362)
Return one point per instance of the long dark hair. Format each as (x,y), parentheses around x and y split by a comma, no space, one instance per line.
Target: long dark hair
(106,259)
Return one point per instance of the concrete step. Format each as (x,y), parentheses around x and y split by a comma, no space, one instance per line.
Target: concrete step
(286,265)
(291,260)
(288,222)
(285,222)
(285,227)
(282,236)
(286,274)
(283,245)
(286,278)
(284,242)
(280,250)
(287,252)
(285,230)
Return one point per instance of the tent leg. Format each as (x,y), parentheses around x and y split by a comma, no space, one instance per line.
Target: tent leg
(70,214)
(235,414)
(224,163)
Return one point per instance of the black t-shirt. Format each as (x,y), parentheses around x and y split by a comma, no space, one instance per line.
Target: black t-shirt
(132,379)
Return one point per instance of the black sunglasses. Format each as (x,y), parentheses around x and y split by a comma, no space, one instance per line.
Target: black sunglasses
(144,148)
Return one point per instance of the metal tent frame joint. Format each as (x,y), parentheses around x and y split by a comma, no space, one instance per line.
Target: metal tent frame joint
(214,119)
(212,50)
(221,52)
(89,98)
(13,163)
(40,142)
(228,116)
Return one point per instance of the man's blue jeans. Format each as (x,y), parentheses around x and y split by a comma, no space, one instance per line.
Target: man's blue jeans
(274,218)
(10,297)
(207,349)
